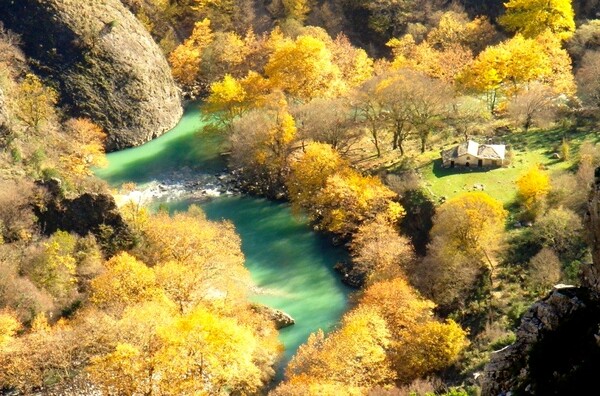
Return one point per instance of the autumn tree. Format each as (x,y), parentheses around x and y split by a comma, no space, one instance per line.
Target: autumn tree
(506,66)
(420,343)
(588,79)
(86,149)
(354,64)
(429,347)
(532,17)
(262,142)
(533,106)
(413,103)
(544,270)
(185,59)
(193,256)
(349,199)
(352,357)
(9,325)
(532,188)
(309,173)
(466,232)
(229,53)
(303,68)
(227,101)
(36,102)
(181,354)
(126,281)
(330,121)
(379,251)
(472,222)
(444,63)
(455,28)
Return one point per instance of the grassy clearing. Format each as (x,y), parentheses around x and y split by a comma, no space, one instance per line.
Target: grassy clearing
(529,148)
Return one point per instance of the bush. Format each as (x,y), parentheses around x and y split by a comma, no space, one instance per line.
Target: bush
(544,271)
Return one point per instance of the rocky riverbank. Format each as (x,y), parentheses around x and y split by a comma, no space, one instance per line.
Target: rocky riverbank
(184,185)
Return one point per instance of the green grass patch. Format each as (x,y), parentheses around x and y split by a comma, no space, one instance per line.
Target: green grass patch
(528,148)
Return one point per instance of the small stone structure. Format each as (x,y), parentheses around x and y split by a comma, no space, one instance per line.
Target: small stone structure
(473,154)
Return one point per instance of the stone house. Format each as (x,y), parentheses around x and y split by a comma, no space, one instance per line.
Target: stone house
(474,154)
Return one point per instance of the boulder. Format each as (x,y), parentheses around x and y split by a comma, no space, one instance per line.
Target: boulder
(104,63)
(280,318)
(351,276)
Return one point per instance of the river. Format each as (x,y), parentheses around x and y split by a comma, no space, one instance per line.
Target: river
(285,257)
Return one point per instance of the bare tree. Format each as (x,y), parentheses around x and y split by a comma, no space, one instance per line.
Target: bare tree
(588,79)
(535,106)
(331,121)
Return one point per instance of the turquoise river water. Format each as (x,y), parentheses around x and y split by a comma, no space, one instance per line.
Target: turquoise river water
(283,254)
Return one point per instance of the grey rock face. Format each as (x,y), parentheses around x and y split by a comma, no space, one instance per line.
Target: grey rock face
(280,318)
(106,65)
(556,351)
(87,213)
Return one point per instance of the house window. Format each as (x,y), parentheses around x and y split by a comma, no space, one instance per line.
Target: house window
(468,158)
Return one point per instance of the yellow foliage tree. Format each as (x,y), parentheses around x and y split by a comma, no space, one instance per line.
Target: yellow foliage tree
(348,199)
(35,102)
(309,173)
(532,17)
(472,221)
(297,9)
(197,353)
(532,188)
(445,63)
(303,68)
(185,59)
(227,101)
(379,251)
(420,344)
(354,64)
(9,325)
(56,269)
(353,356)
(202,351)
(506,66)
(209,252)
(125,282)
(86,147)
(399,304)
(428,347)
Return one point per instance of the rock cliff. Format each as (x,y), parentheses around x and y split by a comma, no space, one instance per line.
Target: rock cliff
(87,213)
(105,64)
(557,350)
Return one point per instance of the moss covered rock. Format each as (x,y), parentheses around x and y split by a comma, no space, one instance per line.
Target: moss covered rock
(104,63)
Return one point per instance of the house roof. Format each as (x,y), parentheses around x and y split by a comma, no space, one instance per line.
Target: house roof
(480,151)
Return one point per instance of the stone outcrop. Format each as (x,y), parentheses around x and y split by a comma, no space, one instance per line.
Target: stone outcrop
(592,220)
(105,64)
(557,349)
(280,318)
(87,213)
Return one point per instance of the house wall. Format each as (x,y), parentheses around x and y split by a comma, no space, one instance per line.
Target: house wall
(472,160)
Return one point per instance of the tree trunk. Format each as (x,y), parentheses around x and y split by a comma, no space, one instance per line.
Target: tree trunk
(376,142)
